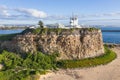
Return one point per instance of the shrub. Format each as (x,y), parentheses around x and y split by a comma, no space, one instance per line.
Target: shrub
(18,68)
(7,37)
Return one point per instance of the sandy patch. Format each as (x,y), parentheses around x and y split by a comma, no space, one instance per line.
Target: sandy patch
(110,71)
(1,66)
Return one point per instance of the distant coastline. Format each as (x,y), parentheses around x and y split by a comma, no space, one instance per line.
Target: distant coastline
(12,28)
(110,30)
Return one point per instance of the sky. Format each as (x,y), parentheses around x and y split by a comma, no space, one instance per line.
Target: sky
(89,12)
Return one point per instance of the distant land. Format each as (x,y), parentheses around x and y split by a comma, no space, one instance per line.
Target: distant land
(14,26)
(104,28)
(110,30)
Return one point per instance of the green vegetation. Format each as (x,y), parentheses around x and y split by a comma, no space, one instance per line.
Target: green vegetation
(110,46)
(41,24)
(31,66)
(55,30)
(18,68)
(43,30)
(36,31)
(92,28)
(89,62)
(7,37)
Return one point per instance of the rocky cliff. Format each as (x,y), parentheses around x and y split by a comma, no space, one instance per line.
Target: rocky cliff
(69,43)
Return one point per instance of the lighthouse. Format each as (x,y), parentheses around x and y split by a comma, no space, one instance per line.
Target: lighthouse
(74,22)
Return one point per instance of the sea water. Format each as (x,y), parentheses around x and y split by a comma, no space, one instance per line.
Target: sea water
(10,31)
(111,37)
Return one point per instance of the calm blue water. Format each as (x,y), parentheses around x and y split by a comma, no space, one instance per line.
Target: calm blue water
(108,37)
(111,37)
(10,31)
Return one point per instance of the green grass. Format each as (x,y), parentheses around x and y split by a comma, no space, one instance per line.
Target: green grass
(90,62)
(7,37)
(92,29)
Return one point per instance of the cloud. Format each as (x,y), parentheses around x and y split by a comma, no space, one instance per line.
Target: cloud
(27,14)
(57,17)
(100,15)
(112,14)
(4,11)
(32,12)
(21,14)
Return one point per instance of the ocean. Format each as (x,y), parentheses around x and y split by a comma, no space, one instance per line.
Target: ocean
(108,37)
(10,31)
(111,37)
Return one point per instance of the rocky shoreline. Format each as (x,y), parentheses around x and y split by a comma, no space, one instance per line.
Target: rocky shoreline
(112,44)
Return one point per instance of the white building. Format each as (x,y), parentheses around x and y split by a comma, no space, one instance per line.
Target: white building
(74,22)
(57,25)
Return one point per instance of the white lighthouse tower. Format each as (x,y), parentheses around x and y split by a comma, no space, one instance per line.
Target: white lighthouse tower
(74,22)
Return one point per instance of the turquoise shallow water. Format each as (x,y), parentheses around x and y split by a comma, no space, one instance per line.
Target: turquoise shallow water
(108,37)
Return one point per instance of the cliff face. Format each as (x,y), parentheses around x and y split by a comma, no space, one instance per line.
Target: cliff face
(75,44)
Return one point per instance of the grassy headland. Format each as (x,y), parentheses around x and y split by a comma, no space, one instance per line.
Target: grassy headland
(4,37)
(30,66)
(55,30)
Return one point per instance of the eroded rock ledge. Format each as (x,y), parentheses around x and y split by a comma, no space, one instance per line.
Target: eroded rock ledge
(70,44)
